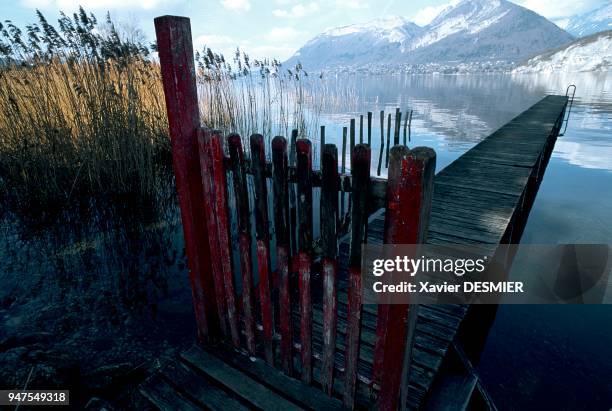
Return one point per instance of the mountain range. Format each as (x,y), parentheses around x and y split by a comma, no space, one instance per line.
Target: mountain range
(465,32)
(592,22)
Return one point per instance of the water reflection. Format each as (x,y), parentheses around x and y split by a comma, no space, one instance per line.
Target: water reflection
(99,288)
(455,112)
(588,142)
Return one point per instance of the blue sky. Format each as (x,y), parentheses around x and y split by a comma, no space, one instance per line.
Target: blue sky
(264,28)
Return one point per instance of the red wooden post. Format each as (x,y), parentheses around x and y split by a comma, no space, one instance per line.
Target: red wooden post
(258,166)
(179,81)
(409,192)
(281,225)
(329,244)
(215,203)
(361,181)
(304,180)
(244,237)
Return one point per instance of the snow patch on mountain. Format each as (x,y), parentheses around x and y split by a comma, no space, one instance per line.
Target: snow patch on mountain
(594,21)
(394,29)
(467,16)
(592,53)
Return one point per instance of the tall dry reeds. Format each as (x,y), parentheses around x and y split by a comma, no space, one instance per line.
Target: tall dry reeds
(256,96)
(81,108)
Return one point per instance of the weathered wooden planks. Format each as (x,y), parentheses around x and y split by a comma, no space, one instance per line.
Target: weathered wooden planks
(244,237)
(329,244)
(304,173)
(281,224)
(478,199)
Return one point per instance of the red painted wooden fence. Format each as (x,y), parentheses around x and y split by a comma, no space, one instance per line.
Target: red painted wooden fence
(239,308)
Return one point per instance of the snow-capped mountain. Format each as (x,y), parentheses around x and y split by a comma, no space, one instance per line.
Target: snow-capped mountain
(466,31)
(594,21)
(592,53)
(357,44)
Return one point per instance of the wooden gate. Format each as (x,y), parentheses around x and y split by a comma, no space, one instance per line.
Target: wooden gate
(268,311)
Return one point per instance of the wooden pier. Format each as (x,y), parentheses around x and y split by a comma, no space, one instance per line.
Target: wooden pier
(280,343)
(484,197)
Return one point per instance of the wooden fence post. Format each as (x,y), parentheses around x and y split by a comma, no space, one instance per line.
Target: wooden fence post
(361,182)
(409,193)
(352,138)
(398,124)
(370,128)
(304,178)
(179,80)
(329,244)
(361,129)
(244,236)
(281,225)
(214,184)
(262,232)
(292,199)
(382,141)
(388,139)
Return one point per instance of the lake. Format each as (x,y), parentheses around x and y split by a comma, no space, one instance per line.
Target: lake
(101,288)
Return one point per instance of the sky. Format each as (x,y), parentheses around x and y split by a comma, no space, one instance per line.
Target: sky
(264,28)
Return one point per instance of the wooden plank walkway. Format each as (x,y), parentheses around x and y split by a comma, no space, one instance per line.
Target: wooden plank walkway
(482,198)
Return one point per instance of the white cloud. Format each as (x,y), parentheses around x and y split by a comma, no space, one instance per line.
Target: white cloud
(281,53)
(352,4)
(213,41)
(227,45)
(558,9)
(281,34)
(237,5)
(71,5)
(298,10)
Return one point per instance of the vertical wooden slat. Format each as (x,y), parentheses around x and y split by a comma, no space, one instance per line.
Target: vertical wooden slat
(370,128)
(292,199)
(409,192)
(262,233)
(398,122)
(410,126)
(361,129)
(388,140)
(360,189)
(322,144)
(281,226)
(343,167)
(179,81)
(382,141)
(214,184)
(244,237)
(352,137)
(408,113)
(304,182)
(329,218)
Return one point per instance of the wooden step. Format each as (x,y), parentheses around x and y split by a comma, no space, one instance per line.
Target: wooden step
(219,378)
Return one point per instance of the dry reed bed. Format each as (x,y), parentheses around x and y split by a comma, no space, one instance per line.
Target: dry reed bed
(82,108)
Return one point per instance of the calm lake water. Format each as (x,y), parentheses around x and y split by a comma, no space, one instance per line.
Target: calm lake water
(102,288)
